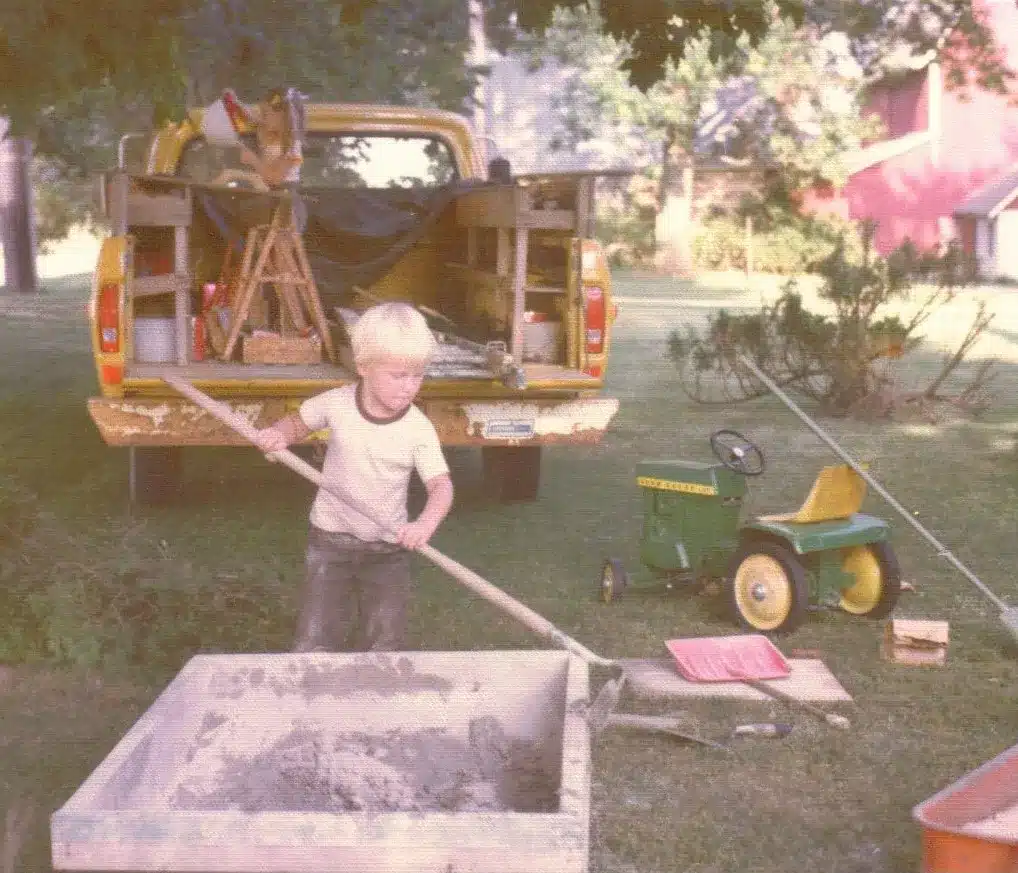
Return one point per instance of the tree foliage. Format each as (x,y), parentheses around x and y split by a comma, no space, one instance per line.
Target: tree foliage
(661,30)
(78,76)
(845,359)
(782,101)
(53,49)
(781,105)
(168,53)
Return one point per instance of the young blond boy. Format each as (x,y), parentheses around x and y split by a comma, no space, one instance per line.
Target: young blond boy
(354,567)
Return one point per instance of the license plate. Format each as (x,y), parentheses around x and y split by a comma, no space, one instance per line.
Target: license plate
(508,429)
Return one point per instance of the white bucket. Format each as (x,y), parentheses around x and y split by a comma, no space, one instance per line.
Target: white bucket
(155,340)
(218,127)
(541,339)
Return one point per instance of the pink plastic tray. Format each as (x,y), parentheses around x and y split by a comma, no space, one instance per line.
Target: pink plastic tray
(727,659)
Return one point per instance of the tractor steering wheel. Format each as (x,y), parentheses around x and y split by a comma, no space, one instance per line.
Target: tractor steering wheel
(736,452)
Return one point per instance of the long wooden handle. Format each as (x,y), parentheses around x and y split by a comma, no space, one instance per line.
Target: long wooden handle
(832,718)
(469,578)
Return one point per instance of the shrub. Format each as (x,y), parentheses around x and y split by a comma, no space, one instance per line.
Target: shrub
(786,245)
(784,242)
(837,359)
(625,223)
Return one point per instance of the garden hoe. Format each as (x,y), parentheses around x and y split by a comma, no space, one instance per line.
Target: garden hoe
(607,698)
(1008,614)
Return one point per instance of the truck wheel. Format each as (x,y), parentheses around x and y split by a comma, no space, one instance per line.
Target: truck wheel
(874,594)
(156,474)
(767,587)
(512,474)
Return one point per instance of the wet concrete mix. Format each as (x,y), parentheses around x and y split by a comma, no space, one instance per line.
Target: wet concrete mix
(311,769)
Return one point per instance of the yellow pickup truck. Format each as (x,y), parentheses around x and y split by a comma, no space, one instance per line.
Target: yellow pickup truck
(399,207)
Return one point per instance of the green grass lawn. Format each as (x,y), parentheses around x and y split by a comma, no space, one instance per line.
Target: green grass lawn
(232,550)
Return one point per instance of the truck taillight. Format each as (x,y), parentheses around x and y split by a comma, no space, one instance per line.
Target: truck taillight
(594,319)
(109,318)
(111,374)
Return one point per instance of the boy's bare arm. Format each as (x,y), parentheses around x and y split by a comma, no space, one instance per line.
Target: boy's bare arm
(284,432)
(420,530)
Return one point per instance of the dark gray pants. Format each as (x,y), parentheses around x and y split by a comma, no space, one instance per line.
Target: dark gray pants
(356,595)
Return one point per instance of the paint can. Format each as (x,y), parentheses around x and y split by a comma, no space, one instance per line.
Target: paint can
(542,338)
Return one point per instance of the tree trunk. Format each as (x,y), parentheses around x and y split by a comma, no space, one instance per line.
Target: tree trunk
(673,227)
(479,57)
(16,218)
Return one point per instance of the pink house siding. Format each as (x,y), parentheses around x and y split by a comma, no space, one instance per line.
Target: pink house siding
(913,194)
(904,106)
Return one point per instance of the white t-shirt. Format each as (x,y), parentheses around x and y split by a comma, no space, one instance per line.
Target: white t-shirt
(371,460)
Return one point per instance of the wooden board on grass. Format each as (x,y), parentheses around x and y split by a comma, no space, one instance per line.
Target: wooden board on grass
(810,680)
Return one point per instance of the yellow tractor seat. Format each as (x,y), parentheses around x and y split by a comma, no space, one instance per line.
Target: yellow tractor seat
(837,493)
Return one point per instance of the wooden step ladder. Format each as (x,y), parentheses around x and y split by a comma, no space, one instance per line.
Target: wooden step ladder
(274,254)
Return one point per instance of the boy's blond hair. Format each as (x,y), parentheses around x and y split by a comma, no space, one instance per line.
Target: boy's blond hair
(392,332)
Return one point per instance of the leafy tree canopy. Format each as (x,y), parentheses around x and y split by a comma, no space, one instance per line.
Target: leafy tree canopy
(77,76)
(162,54)
(70,68)
(778,101)
(660,30)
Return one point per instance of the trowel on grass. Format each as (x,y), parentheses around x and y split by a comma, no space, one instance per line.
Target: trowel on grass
(607,698)
(672,727)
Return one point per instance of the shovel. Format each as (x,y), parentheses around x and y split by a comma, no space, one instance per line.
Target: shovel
(607,698)
(1008,614)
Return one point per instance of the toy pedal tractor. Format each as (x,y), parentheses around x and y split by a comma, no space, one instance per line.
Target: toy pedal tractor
(775,567)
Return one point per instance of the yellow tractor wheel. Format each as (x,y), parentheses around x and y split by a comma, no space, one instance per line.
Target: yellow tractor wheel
(874,593)
(767,587)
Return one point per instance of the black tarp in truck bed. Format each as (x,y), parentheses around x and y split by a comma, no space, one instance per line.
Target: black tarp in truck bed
(353,235)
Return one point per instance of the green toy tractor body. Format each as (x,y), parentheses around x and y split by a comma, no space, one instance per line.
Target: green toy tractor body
(775,567)
(690,516)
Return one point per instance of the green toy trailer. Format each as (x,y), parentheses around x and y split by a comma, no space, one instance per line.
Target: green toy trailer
(775,567)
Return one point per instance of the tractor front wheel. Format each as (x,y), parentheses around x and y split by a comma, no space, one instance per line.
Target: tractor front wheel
(767,587)
(614,580)
(874,593)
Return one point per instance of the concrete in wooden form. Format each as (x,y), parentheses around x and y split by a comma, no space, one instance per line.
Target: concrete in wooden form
(122,817)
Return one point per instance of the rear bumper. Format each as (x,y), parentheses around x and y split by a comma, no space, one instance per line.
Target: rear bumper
(172,422)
